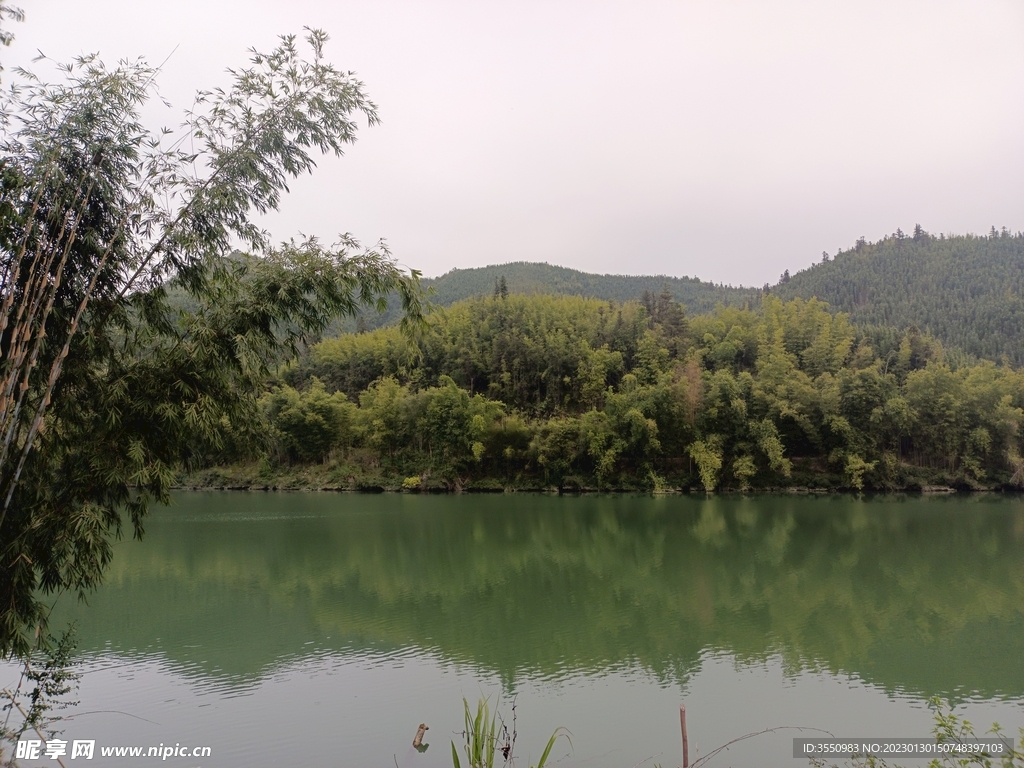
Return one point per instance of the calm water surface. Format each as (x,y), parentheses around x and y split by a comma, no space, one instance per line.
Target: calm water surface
(320,629)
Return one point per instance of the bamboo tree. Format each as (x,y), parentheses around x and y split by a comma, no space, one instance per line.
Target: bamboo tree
(105,390)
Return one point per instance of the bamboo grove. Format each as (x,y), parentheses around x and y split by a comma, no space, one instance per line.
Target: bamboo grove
(565,392)
(107,390)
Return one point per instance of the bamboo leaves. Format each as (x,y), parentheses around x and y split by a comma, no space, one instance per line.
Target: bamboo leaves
(106,390)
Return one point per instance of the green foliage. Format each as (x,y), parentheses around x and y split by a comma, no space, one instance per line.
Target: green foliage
(108,389)
(484,739)
(351,362)
(708,456)
(532,278)
(743,468)
(906,292)
(51,676)
(965,290)
(310,424)
(453,425)
(385,414)
(481,737)
(573,393)
(854,469)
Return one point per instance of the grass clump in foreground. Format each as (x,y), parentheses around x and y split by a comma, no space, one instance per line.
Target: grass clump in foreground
(487,734)
(485,738)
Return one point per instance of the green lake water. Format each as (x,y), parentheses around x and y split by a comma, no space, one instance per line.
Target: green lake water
(321,629)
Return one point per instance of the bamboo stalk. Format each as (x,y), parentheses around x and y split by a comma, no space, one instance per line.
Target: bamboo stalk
(686,741)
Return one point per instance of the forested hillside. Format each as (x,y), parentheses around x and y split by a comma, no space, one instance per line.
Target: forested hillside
(532,277)
(525,277)
(519,386)
(555,391)
(965,290)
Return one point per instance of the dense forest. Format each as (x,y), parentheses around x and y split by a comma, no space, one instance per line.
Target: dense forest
(540,391)
(967,291)
(523,277)
(531,277)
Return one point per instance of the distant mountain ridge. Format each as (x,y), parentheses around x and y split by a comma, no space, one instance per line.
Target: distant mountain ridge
(533,277)
(966,290)
(530,277)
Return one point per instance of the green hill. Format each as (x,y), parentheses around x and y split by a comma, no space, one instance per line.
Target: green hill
(528,277)
(698,296)
(967,291)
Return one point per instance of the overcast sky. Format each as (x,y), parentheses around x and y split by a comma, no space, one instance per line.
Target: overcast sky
(727,139)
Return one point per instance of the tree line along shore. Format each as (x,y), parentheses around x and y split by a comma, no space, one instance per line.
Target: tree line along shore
(540,392)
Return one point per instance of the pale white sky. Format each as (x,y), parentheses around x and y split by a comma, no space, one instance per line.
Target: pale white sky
(724,139)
